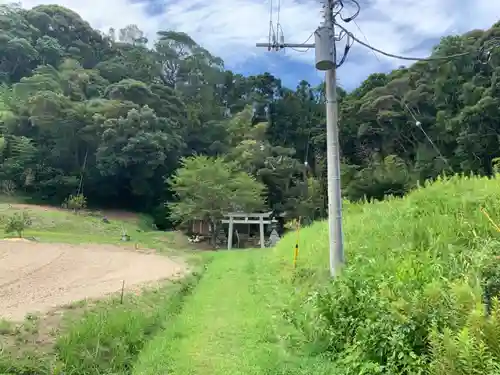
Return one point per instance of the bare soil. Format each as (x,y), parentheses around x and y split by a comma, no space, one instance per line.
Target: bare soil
(38,277)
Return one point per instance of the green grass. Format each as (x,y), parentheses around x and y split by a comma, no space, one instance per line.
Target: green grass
(410,292)
(54,225)
(230,325)
(107,340)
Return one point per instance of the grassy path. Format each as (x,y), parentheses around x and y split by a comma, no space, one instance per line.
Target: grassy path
(224,327)
(232,324)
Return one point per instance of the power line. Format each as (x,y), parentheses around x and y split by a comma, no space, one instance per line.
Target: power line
(307,40)
(418,124)
(271,23)
(437,58)
(351,18)
(347,48)
(367,42)
(278,26)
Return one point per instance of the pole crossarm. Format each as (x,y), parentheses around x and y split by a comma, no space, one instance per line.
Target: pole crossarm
(285,45)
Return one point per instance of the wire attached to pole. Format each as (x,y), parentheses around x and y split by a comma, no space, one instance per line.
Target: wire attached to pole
(418,124)
(349,19)
(271,30)
(307,40)
(437,58)
(278,25)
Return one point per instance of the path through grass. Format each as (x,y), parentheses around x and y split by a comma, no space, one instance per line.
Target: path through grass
(231,325)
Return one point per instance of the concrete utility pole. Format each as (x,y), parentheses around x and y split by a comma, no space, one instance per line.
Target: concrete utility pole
(326,61)
(332,145)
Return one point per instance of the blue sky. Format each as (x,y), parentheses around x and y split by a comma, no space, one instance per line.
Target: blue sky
(230,29)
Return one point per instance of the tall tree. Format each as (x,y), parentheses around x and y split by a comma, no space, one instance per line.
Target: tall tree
(207,188)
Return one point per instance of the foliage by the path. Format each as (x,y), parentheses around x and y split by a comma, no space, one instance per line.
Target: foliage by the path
(108,340)
(411,299)
(103,114)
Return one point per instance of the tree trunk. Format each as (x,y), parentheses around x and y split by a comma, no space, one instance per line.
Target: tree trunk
(214,233)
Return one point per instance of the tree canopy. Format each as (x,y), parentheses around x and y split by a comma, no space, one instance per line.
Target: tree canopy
(208,188)
(103,114)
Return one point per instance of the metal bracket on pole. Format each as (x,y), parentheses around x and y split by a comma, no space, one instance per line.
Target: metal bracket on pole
(277,47)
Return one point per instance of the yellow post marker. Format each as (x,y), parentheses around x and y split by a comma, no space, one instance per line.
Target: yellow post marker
(296,250)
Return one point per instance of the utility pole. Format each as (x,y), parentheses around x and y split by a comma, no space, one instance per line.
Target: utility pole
(332,146)
(326,61)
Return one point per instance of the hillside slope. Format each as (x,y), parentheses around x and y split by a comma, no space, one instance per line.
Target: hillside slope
(409,301)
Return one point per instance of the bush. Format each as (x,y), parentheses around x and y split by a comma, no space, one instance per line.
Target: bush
(412,298)
(75,203)
(7,187)
(17,223)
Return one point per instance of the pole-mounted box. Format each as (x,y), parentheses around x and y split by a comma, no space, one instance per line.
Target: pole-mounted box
(324,51)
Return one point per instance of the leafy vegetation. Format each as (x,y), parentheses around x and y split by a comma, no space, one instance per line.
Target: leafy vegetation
(207,188)
(17,223)
(105,116)
(75,202)
(410,300)
(109,340)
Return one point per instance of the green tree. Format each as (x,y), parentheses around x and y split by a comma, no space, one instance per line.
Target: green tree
(18,223)
(71,95)
(207,188)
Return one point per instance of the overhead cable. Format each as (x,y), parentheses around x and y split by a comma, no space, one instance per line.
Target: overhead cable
(437,58)
(366,39)
(351,18)
(307,40)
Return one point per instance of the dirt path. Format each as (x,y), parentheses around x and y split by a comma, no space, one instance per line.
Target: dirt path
(36,277)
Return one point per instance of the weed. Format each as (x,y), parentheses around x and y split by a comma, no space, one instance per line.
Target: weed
(18,223)
(108,339)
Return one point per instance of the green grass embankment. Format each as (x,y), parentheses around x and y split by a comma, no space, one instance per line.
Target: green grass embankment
(52,224)
(410,300)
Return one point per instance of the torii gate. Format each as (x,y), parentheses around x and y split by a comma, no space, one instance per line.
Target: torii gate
(248,218)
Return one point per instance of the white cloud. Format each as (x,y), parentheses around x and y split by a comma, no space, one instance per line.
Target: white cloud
(230,28)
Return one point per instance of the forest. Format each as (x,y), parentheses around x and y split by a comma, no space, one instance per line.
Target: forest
(171,132)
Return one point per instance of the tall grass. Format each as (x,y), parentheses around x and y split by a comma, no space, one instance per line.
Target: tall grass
(108,340)
(411,299)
